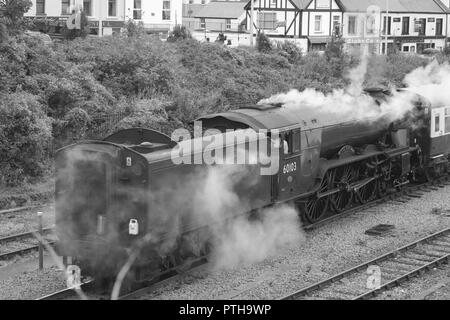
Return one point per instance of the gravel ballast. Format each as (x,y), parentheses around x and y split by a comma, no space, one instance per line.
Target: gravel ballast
(323,252)
(328,250)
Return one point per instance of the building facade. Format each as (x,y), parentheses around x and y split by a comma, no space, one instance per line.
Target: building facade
(406,26)
(412,25)
(109,16)
(219,18)
(308,23)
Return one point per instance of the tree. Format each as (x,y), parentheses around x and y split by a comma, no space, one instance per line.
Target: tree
(11,14)
(179,33)
(263,43)
(134,29)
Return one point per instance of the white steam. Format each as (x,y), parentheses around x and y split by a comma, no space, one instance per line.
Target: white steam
(218,197)
(350,104)
(245,241)
(432,82)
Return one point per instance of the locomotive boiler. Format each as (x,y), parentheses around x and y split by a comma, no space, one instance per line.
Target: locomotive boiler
(130,190)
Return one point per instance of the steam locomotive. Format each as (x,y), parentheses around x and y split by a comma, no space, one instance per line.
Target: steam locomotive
(128,189)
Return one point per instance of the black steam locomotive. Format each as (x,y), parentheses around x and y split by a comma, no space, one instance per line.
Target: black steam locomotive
(111,194)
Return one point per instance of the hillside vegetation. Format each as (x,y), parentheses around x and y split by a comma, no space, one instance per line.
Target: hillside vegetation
(51,95)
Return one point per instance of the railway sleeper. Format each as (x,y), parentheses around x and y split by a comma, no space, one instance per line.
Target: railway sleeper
(441,243)
(420,257)
(409,262)
(438,249)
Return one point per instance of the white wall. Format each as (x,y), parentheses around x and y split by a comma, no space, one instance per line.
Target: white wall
(152,12)
(99,8)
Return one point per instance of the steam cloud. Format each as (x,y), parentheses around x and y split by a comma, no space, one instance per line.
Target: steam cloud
(350,104)
(211,196)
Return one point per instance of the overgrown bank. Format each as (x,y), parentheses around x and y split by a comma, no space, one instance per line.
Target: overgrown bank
(52,95)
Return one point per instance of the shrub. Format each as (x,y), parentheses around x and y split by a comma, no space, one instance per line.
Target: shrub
(179,33)
(145,113)
(25,134)
(134,29)
(290,50)
(263,43)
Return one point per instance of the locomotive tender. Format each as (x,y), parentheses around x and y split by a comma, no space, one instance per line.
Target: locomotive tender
(112,193)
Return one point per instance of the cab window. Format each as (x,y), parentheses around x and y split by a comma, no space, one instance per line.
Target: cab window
(291,141)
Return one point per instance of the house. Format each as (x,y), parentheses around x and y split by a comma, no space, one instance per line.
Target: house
(221,17)
(412,25)
(108,16)
(308,23)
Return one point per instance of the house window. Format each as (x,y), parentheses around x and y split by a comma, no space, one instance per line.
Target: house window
(137,10)
(166,10)
(40,7)
(389,23)
(318,24)
(336,24)
(267,20)
(202,23)
(420,26)
(352,25)
(65,5)
(439,23)
(112,8)
(447,120)
(405,26)
(370,25)
(227,24)
(436,123)
(87,7)
(406,48)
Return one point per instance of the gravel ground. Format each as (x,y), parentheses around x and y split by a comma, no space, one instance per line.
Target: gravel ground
(22,280)
(25,221)
(324,252)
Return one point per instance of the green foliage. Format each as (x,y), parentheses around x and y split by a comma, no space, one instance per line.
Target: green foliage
(65,89)
(263,43)
(25,133)
(336,55)
(3,32)
(134,29)
(127,66)
(11,14)
(290,51)
(146,113)
(179,33)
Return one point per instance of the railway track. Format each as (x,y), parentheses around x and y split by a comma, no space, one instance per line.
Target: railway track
(400,196)
(393,268)
(24,237)
(158,281)
(5,211)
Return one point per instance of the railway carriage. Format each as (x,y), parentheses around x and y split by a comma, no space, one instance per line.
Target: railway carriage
(127,192)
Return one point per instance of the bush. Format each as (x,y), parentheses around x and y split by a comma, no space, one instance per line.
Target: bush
(290,50)
(179,33)
(263,43)
(134,29)
(25,134)
(146,113)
